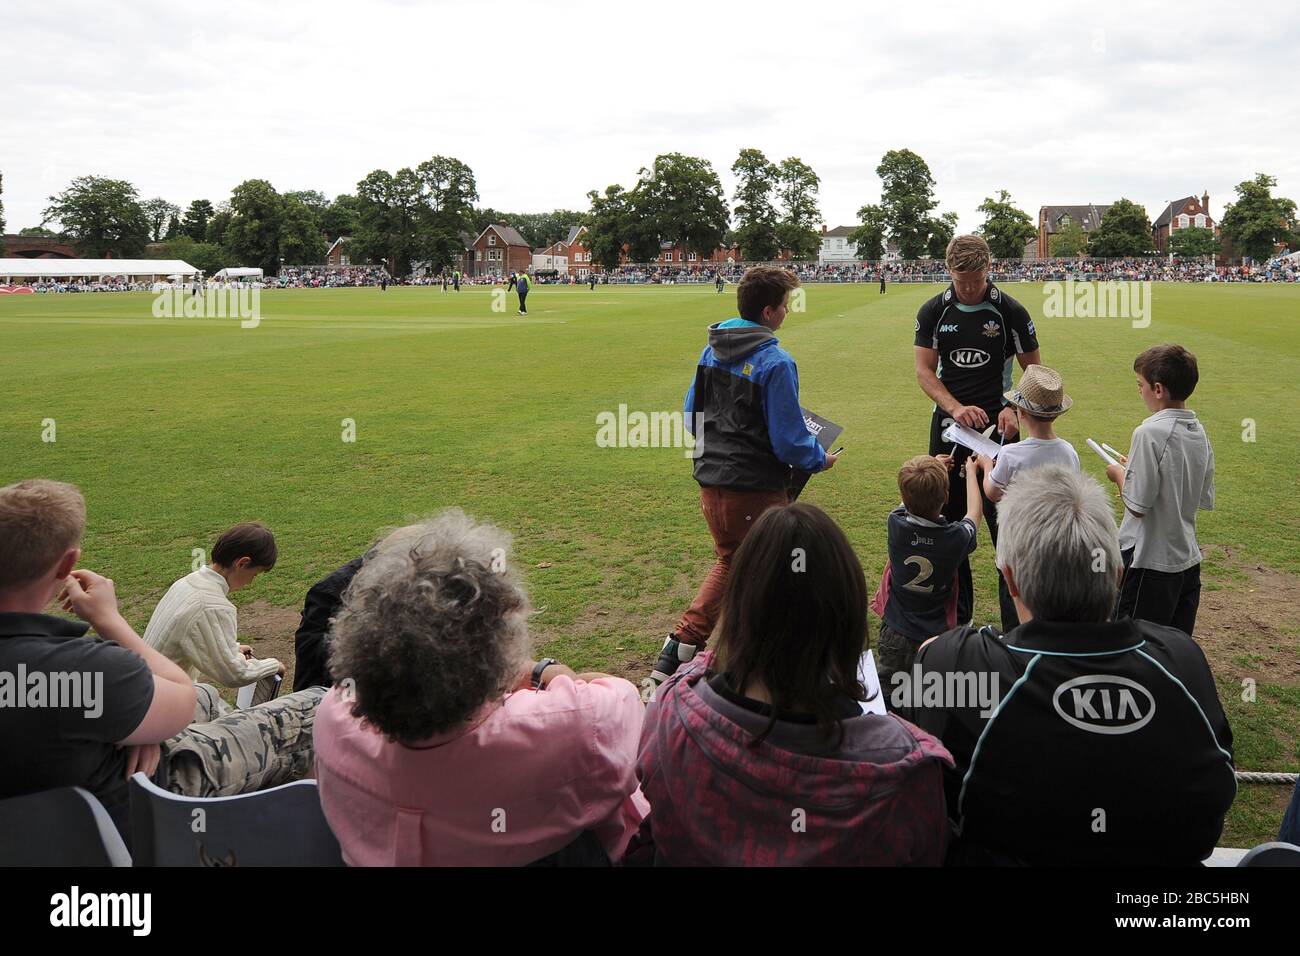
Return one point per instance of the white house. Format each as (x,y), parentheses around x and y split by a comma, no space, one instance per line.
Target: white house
(555,256)
(836,249)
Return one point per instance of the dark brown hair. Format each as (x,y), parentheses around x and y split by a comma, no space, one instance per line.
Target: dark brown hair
(763,286)
(1171,366)
(246,540)
(794,615)
(923,482)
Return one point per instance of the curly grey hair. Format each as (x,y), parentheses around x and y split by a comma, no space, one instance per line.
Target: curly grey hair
(432,627)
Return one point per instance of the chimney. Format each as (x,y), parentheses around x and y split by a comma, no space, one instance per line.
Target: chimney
(823,229)
(1205,202)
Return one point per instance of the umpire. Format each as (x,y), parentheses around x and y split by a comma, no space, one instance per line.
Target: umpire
(965,338)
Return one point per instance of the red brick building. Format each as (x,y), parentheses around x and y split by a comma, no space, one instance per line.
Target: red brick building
(1053,219)
(1186,213)
(498,251)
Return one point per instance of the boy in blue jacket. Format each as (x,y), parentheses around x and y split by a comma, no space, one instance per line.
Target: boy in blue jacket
(743,408)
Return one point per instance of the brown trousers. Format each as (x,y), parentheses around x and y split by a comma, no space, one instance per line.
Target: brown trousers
(729,515)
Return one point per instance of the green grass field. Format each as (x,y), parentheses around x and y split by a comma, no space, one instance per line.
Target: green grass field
(178,428)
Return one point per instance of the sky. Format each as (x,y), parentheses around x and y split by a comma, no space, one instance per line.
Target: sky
(547,101)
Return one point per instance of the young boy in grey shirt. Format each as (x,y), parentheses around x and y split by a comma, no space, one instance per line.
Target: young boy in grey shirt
(1166,478)
(1039,400)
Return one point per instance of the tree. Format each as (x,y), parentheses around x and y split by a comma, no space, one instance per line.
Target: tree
(1125,230)
(1258,221)
(1068,241)
(38,231)
(300,241)
(756,226)
(680,200)
(608,226)
(1192,243)
(256,218)
(386,227)
(797,187)
(446,194)
(101,216)
(941,232)
(173,228)
(205,256)
(907,196)
(1006,228)
(158,212)
(341,218)
(197,216)
(869,237)
(217,225)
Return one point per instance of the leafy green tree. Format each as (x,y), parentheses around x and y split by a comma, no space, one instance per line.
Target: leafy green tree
(1068,241)
(341,218)
(205,256)
(38,231)
(446,196)
(158,212)
(797,187)
(300,241)
(100,216)
(215,232)
(942,229)
(680,199)
(197,216)
(173,228)
(1125,230)
(1258,220)
(388,218)
(756,224)
(608,225)
(1006,227)
(907,197)
(869,236)
(1192,243)
(256,220)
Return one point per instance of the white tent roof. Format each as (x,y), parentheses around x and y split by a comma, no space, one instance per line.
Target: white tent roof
(238,272)
(57,268)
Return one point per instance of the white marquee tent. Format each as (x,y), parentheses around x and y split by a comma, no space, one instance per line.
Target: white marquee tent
(93,268)
(240,272)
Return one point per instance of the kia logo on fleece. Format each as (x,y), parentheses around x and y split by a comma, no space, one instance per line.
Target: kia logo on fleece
(1104,704)
(968,358)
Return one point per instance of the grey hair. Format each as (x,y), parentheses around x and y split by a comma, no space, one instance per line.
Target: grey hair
(432,627)
(1056,532)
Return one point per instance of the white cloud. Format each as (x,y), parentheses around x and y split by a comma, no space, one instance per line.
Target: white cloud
(548,101)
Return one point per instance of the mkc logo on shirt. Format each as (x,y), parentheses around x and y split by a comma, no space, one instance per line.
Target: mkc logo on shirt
(968,358)
(1104,704)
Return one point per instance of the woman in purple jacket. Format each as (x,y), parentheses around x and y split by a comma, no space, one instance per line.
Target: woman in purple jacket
(761,752)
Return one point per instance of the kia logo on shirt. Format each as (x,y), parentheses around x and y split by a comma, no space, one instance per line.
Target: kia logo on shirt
(968,358)
(1104,704)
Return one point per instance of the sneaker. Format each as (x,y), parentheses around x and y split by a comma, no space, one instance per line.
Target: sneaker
(674,654)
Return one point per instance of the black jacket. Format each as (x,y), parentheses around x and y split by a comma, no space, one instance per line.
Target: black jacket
(311,643)
(1107,743)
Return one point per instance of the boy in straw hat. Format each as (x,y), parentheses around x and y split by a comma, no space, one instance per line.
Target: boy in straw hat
(1039,400)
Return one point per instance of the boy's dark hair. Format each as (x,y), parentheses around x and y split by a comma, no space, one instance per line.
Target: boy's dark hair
(1171,366)
(763,286)
(923,483)
(246,540)
(794,615)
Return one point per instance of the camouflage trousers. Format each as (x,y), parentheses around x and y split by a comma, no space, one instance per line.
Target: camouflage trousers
(227,751)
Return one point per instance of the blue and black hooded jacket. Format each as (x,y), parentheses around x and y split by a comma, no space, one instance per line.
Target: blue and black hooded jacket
(746,391)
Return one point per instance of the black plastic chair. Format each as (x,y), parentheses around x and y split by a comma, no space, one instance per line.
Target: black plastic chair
(62,827)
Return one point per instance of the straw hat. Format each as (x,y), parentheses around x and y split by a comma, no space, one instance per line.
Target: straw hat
(1040,393)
